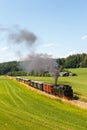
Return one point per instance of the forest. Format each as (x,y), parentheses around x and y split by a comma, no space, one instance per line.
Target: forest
(72,61)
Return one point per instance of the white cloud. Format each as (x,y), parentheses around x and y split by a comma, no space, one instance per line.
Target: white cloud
(4,48)
(84,37)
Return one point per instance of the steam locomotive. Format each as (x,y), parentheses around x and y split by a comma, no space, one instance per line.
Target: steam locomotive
(60,90)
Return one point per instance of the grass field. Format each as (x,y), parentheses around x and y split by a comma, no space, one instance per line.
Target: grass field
(24,109)
(78,83)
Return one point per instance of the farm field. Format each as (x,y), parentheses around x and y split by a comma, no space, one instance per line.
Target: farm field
(78,83)
(23,109)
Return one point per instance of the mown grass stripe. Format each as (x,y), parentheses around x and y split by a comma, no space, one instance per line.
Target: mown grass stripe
(38,112)
(15,94)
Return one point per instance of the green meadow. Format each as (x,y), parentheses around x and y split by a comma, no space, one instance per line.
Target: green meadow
(78,83)
(24,109)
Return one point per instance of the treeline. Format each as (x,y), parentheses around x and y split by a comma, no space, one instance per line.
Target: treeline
(14,69)
(73,61)
(11,68)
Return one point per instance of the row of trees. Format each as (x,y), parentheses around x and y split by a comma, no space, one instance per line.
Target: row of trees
(72,61)
(14,69)
(11,68)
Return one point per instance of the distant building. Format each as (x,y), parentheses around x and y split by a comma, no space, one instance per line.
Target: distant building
(64,74)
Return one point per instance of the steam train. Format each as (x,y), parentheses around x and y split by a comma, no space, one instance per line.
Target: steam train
(63,91)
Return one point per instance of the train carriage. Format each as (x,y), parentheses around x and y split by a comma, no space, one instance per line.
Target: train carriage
(40,85)
(58,90)
(27,81)
(32,83)
(48,88)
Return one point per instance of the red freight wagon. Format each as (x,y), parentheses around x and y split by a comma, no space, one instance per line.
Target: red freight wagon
(48,88)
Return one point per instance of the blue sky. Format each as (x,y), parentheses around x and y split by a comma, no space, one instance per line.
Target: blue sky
(60,26)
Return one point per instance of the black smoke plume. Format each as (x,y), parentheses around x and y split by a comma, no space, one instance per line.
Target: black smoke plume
(41,63)
(19,40)
(22,36)
(18,35)
(38,62)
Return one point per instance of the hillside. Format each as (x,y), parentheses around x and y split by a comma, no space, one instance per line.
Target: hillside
(24,109)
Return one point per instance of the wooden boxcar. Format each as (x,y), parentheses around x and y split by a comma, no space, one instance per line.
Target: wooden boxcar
(27,81)
(40,85)
(36,84)
(48,88)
